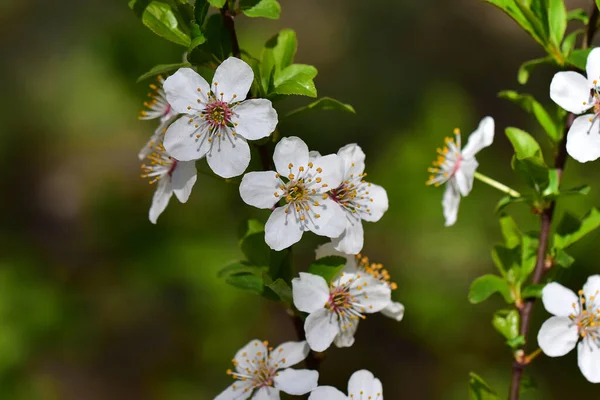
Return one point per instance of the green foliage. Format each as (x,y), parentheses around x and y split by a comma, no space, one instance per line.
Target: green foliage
(161,69)
(528,103)
(217,44)
(324,103)
(571,229)
(578,14)
(327,267)
(162,19)
(217,3)
(525,69)
(261,8)
(507,322)
(486,285)
(528,161)
(201,8)
(578,58)
(557,20)
(510,231)
(479,389)
(533,291)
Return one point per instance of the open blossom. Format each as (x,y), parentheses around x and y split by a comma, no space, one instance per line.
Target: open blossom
(217,119)
(170,176)
(456,167)
(576,319)
(362,386)
(578,94)
(261,372)
(359,199)
(301,184)
(335,309)
(156,107)
(361,264)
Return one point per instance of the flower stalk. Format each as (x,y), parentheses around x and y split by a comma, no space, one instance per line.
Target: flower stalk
(497,185)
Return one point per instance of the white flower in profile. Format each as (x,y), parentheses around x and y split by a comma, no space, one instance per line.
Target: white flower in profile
(577,94)
(456,167)
(301,184)
(335,309)
(359,199)
(157,107)
(218,120)
(362,386)
(170,176)
(361,264)
(575,317)
(261,372)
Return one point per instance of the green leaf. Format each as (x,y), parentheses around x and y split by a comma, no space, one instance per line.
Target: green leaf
(578,190)
(296,79)
(535,27)
(261,8)
(139,6)
(162,69)
(282,290)
(249,282)
(479,389)
(506,258)
(327,267)
(532,171)
(240,267)
(163,20)
(528,66)
(578,14)
(516,342)
(524,144)
(578,58)
(531,105)
(217,46)
(217,3)
(563,259)
(523,16)
(486,285)
(510,231)
(507,323)
(533,291)
(201,8)
(557,20)
(571,229)
(552,190)
(324,103)
(507,200)
(278,53)
(569,43)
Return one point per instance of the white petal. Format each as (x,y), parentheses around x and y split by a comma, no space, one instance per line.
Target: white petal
(352,240)
(267,393)
(557,336)
(571,91)
(181,90)
(321,328)
(313,154)
(290,150)
(161,198)
(229,155)
(353,159)
(181,140)
(256,118)
(328,249)
(363,381)
(282,230)
(332,171)
(183,179)
(233,77)
(591,289)
(346,337)
(310,292)
(558,300)
(258,189)
(481,138)
(378,206)
(292,352)
(592,66)
(465,176)
(450,204)
(155,139)
(296,381)
(332,220)
(236,391)
(246,354)
(394,310)
(374,296)
(588,359)
(327,393)
(583,139)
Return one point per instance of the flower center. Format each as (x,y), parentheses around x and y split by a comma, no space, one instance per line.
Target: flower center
(448,161)
(218,114)
(375,270)
(258,369)
(353,194)
(344,301)
(160,165)
(587,316)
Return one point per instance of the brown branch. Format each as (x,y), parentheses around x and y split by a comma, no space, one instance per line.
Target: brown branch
(560,159)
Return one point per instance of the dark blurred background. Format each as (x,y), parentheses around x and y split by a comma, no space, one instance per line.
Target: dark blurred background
(97,303)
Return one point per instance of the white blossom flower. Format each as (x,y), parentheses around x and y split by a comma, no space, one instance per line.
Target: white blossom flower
(157,107)
(577,94)
(362,386)
(218,120)
(170,176)
(359,199)
(335,309)
(456,166)
(302,184)
(261,372)
(361,264)
(575,317)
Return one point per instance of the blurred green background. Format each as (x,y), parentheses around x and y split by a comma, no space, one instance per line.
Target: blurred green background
(97,303)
